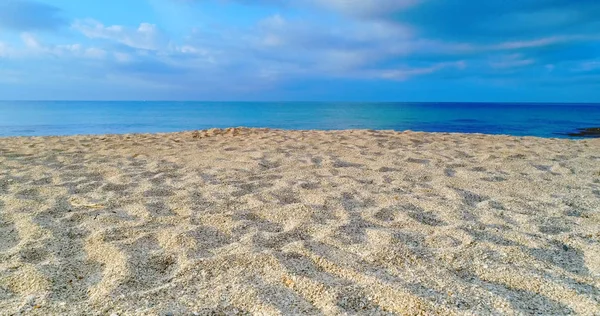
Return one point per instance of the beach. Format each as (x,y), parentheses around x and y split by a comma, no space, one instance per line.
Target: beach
(263,221)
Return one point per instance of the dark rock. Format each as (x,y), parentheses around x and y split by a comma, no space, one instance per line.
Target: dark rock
(591,132)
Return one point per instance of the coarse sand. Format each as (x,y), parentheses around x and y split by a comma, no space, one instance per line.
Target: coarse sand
(266,222)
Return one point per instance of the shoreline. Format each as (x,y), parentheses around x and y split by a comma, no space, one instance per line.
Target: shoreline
(220,131)
(250,221)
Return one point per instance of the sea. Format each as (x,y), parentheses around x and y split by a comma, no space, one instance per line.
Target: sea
(43,118)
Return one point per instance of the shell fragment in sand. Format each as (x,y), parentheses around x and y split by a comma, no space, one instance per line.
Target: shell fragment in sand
(78,202)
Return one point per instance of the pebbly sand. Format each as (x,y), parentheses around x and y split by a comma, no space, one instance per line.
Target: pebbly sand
(255,221)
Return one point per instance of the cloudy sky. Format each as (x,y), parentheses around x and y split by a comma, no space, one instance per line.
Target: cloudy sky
(346,50)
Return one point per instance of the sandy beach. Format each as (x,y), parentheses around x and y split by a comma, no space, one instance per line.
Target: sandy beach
(267,222)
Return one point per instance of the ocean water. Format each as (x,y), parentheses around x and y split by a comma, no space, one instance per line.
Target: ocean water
(74,117)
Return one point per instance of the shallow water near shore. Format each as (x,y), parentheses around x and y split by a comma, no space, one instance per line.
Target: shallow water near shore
(41,118)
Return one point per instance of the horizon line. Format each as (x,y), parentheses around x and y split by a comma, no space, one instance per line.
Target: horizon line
(284,101)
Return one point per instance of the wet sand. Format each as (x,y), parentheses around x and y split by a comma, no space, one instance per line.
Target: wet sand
(255,221)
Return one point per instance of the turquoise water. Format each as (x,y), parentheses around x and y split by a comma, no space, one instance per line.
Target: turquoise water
(70,118)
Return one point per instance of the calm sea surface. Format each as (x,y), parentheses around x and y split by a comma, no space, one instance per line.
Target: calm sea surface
(70,118)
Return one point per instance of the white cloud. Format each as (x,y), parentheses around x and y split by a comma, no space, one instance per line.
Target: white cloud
(79,51)
(275,21)
(366,8)
(512,61)
(332,48)
(4,50)
(187,49)
(589,65)
(190,50)
(30,41)
(95,53)
(540,42)
(122,57)
(35,47)
(146,36)
(406,73)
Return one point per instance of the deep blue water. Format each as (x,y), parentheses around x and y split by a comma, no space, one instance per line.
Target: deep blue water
(69,118)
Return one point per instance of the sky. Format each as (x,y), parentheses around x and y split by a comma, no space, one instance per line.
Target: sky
(301,50)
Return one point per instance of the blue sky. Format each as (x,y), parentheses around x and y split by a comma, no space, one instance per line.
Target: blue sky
(309,50)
